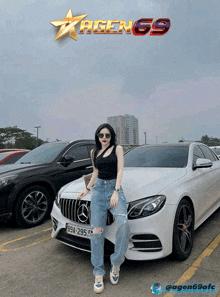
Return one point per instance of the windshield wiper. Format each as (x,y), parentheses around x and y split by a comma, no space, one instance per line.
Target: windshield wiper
(25,163)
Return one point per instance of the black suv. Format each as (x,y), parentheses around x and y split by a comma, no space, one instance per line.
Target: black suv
(28,187)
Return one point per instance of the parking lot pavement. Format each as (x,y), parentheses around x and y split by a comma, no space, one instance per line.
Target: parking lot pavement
(32,265)
(204,273)
(203,264)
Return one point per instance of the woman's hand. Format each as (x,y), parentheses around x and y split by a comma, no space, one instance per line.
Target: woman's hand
(82,194)
(114,200)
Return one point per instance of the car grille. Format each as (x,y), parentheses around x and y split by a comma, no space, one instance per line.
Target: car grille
(79,211)
(146,243)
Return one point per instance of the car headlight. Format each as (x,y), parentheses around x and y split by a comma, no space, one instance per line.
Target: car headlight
(145,207)
(57,199)
(4,181)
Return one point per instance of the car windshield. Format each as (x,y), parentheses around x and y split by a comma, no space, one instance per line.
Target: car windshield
(3,155)
(157,156)
(45,153)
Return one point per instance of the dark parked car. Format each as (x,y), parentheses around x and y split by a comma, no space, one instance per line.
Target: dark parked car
(28,187)
(11,157)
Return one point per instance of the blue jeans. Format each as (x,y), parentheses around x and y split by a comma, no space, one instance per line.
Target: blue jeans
(100,203)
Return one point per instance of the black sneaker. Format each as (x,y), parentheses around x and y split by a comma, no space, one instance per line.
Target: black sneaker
(98,285)
(114,275)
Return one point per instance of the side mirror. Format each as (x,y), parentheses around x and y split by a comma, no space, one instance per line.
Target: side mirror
(67,160)
(203,163)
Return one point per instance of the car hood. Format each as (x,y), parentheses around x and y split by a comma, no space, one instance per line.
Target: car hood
(15,168)
(137,182)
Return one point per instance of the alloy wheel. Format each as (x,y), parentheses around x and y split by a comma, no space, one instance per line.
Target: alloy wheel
(34,206)
(185,225)
(183,231)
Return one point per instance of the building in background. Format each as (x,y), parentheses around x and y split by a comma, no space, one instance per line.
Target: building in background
(126,129)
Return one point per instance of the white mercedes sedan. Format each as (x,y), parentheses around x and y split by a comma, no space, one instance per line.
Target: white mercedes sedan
(171,189)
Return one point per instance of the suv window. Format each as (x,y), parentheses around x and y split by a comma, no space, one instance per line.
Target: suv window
(197,153)
(45,153)
(79,152)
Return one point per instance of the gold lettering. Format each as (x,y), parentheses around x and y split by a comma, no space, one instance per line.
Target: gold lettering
(86,25)
(126,28)
(109,27)
(97,27)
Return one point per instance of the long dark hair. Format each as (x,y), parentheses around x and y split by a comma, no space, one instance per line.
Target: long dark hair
(98,145)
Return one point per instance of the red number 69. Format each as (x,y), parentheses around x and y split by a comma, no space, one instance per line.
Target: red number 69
(160,27)
(142,26)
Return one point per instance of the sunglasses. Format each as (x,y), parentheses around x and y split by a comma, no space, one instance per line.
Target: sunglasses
(101,135)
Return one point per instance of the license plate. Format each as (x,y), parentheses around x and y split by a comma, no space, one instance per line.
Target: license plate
(78,231)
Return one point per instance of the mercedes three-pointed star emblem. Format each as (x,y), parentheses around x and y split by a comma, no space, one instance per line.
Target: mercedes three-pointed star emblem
(83,213)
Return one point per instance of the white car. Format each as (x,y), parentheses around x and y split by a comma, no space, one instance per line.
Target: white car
(216,149)
(171,189)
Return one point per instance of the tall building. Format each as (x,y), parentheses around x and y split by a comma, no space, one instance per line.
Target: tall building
(126,129)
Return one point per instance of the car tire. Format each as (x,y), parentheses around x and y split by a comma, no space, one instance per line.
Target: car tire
(183,231)
(33,206)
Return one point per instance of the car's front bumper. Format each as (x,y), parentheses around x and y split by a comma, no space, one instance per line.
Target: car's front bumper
(150,237)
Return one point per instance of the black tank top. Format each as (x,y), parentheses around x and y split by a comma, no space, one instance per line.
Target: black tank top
(107,166)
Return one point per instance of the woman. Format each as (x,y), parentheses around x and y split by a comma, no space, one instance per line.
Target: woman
(107,193)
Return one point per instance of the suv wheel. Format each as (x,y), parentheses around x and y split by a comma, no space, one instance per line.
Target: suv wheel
(183,231)
(33,206)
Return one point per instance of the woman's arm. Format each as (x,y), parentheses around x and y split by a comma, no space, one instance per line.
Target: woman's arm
(120,157)
(92,180)
(94,173)
(120,166)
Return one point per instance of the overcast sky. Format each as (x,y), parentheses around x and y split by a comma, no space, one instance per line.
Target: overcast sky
(171,83)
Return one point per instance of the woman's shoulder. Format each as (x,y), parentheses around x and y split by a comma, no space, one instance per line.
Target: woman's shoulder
(118,148)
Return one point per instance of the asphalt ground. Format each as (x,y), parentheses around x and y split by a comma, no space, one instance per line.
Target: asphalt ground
(32,264)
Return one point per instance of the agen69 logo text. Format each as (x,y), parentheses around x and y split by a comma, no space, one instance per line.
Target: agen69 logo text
(140,27)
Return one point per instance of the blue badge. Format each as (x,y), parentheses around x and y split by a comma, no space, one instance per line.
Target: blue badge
(156,288)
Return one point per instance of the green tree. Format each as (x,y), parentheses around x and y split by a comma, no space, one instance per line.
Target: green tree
(210,141)
(14,137)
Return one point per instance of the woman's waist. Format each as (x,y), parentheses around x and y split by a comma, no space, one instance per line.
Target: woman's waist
(103,181)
